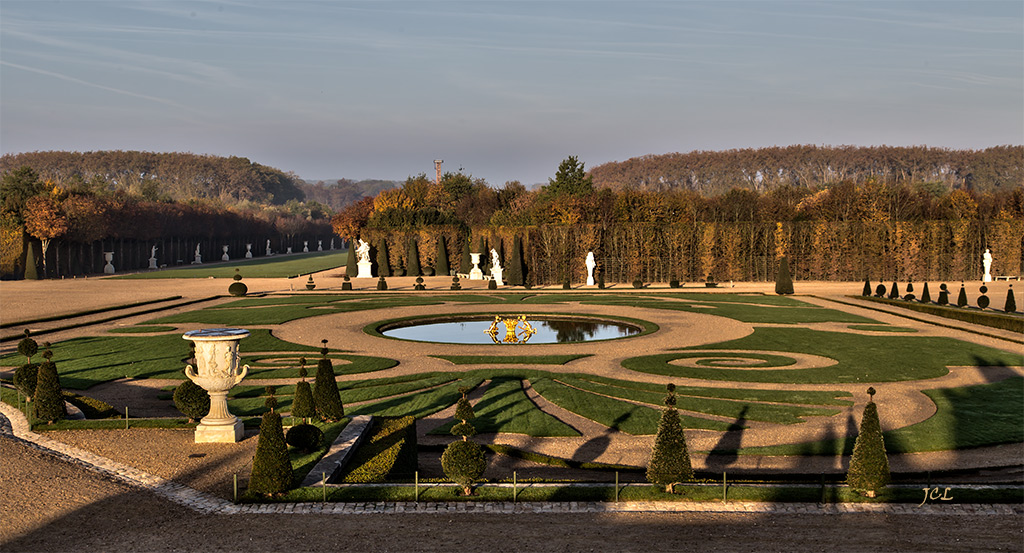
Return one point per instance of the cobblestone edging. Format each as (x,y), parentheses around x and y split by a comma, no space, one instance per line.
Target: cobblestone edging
(14,425)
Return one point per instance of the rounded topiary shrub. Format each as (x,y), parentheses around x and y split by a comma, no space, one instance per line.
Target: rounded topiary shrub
(880,290)
(238,289)
(983,299)
(28,347)
(25,379)
(271,467)
(191,400)
(638,284)
(304,437)
(464,463)
(382,284)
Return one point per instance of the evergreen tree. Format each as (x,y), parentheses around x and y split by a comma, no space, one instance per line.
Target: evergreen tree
(570,179)
(867,288)
(442,269)
(670,460)
(465,262)
(326,399)
(961,299)
(926,296)
(271,467)
(485,254)
(351,269)
(48,397)
(783,281)
(516,271)
(383,261)
(1011,303)
(869,466)
(302,404)
(412,266)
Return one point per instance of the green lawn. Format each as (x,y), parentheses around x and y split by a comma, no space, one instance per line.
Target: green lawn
(504,407)
(859,358)
(278,266)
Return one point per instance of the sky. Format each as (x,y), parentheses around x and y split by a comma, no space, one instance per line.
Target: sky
(503,90)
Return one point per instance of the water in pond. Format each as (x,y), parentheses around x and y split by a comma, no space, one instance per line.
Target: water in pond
(549,331)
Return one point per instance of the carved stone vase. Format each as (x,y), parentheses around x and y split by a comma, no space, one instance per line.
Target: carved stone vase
(217,372)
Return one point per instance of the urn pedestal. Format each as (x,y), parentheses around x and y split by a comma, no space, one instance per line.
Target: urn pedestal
(109,267)
(217,372)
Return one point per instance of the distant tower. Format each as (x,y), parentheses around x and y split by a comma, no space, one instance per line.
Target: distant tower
(437,170)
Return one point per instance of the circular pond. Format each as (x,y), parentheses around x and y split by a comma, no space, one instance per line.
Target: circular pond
(484,329)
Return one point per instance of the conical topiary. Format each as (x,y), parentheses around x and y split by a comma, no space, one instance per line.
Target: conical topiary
(351,269)
(383,260)
(192,400)
(1011,303)
(926,296)
(271,467)
(302,404)
(943,295)
(961,299)
(783,280)
(464,413)
(25,378)
(442,268)
(326,399)
(465,261)
(516,271)
(382,283)
(670,460)
(894,292)
(412,266)
(31,265)
(48,397)
(867,288)
(869,466)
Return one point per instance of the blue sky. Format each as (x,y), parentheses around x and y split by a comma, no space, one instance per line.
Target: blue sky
(503,89)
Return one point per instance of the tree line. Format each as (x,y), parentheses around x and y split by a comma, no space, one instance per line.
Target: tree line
(61,229)
(850,230)
(815,167)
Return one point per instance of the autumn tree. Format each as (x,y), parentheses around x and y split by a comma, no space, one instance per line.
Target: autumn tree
(45,221)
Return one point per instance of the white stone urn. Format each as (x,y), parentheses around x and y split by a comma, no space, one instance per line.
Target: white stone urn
(475,273)
(109,267)
(217,372)
(305,246)
(225,257)
(248,251)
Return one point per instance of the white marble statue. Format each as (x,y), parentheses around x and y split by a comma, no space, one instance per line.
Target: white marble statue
(319,245)
(986,260)
(591,264)
(363,251)
(152,258)
(199,258)
(269,252)
(332,244)
(496,270)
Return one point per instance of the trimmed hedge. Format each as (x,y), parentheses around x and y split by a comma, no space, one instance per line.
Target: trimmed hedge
(271,466)
(192,400)
(387,455)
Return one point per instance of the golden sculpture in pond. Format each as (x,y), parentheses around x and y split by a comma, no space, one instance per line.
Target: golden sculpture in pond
(517,330)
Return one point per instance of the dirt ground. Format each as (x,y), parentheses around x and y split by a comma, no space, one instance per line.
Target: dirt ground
(50,505)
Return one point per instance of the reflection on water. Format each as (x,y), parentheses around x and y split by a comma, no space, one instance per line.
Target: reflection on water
(549,331)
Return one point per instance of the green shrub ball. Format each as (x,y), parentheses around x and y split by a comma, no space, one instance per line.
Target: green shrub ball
(191,400)
(25,378)
(464,463)
(304,437)
(302,405)
(238,289)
